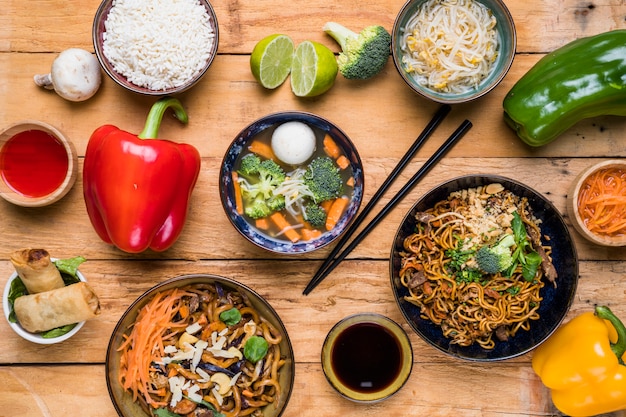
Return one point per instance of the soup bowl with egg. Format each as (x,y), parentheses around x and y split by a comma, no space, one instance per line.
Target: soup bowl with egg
(451,51)
(291,182)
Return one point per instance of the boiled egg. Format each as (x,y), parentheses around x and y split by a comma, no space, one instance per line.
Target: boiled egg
(293,142)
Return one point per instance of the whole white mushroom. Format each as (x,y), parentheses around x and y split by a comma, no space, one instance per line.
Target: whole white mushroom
(75,75)
(293,142)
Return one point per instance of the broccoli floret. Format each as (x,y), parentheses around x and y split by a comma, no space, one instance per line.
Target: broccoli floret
(276,202)
(257,208)
(323,179)
(261,179)
(315,215)
(363,54)
(268,176)
(250,165)
(497,258)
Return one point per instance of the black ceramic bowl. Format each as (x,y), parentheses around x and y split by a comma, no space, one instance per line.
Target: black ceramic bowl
(123,400)
(556,301)
(245,226)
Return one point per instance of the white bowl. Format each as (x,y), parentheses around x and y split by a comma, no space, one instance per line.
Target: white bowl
(36,337)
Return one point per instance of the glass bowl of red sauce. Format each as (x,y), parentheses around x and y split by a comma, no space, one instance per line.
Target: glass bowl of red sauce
(596,203)
(38,164)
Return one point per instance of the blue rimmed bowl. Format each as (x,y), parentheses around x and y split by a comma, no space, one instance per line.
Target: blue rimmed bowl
(266,124)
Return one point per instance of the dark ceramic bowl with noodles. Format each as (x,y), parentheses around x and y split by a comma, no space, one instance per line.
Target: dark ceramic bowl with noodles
(216,293)
(555,300)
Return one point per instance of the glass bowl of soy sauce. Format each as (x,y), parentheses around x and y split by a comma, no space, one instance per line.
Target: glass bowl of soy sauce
(367,357)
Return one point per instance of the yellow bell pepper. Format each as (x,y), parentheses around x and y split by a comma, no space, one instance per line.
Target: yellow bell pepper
(583,364)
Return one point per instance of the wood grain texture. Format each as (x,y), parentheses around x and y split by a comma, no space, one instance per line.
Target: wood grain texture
(381,116)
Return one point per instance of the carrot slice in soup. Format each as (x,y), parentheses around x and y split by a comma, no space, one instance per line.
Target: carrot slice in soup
(335,212)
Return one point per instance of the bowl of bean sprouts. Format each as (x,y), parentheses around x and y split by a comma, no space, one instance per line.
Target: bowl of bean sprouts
(453,51)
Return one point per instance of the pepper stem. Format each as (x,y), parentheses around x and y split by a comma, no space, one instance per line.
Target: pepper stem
(618,347)
(155,116)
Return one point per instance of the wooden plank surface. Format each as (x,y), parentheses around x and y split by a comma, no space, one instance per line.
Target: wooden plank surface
(381,116)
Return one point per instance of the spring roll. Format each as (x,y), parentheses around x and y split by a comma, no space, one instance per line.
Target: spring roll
(55,308)
(36,269)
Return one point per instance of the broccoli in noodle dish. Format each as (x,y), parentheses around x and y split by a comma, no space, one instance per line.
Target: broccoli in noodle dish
(475,265)
(201,349)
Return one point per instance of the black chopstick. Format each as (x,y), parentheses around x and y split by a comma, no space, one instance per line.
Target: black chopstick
(437,118)
(447,145)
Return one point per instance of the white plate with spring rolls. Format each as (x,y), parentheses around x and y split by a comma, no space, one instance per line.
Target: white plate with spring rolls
(49,306)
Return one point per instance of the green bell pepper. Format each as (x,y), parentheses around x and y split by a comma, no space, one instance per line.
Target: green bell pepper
(582,79)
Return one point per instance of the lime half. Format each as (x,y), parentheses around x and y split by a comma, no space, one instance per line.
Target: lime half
(271,60)
(314,69)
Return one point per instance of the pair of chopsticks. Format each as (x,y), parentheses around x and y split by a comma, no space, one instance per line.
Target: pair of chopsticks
(334,258)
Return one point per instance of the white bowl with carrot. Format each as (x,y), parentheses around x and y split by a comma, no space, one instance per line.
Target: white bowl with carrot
(291,182)
(596,203)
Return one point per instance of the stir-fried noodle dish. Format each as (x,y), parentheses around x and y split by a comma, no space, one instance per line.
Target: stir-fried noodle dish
(450,46)
(202,351)
(475,265)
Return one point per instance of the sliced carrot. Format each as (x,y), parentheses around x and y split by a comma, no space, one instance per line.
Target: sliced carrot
(172,371)
(326,204)
(145,345)
(184,311)
(262,223)
(602,202)
(287,228)
(343,162)
(310,234)
(336,210)
(350,182)
(330,147)
(237,191)
(261,149)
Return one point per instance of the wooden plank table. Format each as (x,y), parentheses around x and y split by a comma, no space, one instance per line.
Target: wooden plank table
(382,116)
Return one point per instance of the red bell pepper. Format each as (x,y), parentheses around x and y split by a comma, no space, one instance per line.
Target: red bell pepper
(137,188)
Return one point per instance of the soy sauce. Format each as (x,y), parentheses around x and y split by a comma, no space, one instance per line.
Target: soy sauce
(366,357)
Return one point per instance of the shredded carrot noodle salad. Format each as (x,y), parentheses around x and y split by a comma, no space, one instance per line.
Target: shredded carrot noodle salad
(450,46)
(203,350)
(602,202)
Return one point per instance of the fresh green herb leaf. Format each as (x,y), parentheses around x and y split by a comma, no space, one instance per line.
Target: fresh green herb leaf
(519,231)
(255,349)
(230,317)
(59,331)
(533,260)
(524,253)
(164,412)
(208,406)
(69,266)
(16,290)
(513,290)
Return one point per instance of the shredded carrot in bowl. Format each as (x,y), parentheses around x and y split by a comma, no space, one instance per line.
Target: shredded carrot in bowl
(602,202)
(201,345)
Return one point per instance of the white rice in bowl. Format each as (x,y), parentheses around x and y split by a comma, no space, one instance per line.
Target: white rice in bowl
(158,44)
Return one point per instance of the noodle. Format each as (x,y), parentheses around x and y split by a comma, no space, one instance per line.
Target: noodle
(450,46)
(444,280)
(181,354)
